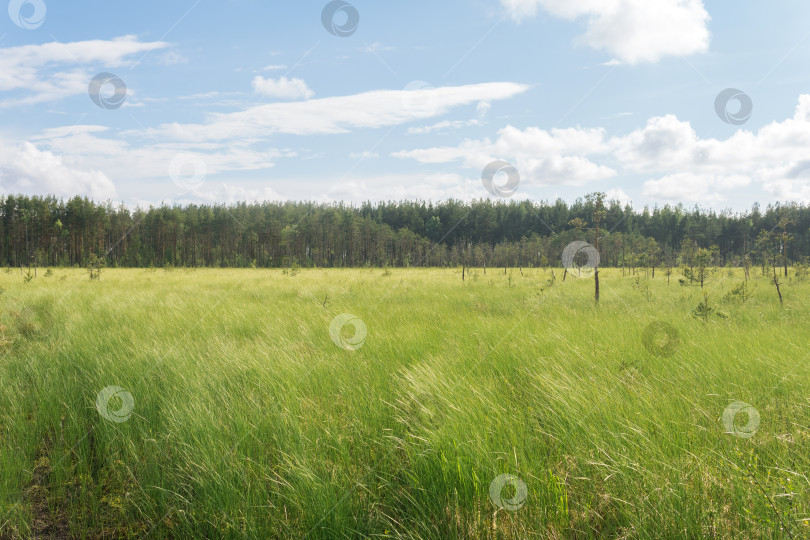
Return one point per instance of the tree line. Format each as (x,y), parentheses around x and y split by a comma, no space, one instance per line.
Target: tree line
(48,231)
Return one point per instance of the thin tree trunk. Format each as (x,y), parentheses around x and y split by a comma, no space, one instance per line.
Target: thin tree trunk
(776,282)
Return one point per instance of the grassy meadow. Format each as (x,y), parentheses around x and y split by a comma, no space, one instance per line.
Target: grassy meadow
(248,420)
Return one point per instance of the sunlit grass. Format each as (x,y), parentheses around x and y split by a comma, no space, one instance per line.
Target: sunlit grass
(249,421)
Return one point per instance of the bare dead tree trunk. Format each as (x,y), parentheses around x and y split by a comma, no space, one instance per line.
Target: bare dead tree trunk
(776,282)
(597,217)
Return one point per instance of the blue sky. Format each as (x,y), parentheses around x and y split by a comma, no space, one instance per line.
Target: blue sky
(255,100)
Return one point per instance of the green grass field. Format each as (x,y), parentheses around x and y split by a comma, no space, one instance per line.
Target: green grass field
(248,420)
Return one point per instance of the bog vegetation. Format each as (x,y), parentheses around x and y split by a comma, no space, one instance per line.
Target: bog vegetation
(239,416)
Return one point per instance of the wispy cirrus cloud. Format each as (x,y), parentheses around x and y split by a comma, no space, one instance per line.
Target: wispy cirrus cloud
(51,71)
(341,114)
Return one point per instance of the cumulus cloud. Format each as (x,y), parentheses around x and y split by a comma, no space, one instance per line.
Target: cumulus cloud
(85,148)
(618,194)
(690,187)
(558,156)
(674,164)
(632,31)
(417,185)
(282,88)
(229,142)
(225,193)
(26,169)
(689,168)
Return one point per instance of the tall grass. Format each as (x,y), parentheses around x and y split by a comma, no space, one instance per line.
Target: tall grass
(249,421)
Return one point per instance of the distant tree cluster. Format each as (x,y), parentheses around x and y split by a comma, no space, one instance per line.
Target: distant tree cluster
(47,231)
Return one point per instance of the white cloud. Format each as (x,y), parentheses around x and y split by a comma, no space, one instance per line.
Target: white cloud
(203,95)
(665,157)
(83,148)
(26,169)
(375,109)
(376,47)
(225,193)
(633,31)
(282,88)
(32,69)
(364,155)
(417,185)
(543,157)
(618,194)
(689,187)
(689,168)
(673,163)
(172,58)
(483,108)
(442,126)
